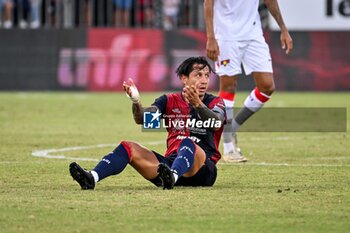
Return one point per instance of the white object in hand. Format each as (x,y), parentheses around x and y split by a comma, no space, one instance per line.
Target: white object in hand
(134,94)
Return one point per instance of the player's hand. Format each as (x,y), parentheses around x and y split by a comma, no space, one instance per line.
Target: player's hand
(131,91)
(286,41)
(191,95)
(212,49)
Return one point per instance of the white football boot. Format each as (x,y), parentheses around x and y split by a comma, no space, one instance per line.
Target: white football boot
(234,156)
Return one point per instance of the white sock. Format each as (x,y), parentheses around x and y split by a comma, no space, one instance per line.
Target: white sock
(229,108)
(8,24)
(95,175)
(227,134)
(253,103)
(175,176)
(235,126)
(228,147)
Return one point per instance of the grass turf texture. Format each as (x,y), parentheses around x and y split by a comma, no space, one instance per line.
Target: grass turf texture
(311,194)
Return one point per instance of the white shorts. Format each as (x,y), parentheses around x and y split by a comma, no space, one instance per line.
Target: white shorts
(254,55)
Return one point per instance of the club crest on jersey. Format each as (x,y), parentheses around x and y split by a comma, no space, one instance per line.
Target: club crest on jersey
(176,110)
(225,62)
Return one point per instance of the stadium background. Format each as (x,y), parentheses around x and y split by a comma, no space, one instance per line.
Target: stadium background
(59,102)
(79,49)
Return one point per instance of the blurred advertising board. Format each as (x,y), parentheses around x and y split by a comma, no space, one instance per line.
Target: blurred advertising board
(101,59)
(314,15)
(148,56)
(29,58)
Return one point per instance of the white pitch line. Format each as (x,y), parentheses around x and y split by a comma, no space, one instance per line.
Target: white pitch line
(47,153)
(281,138)
(330,158)
(278,138)
(285,164)
(14,162)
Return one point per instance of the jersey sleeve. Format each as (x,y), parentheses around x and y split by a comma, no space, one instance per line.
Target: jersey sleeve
(161,103)
(217,105)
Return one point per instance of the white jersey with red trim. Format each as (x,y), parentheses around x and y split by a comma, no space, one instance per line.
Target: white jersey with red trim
(237,19)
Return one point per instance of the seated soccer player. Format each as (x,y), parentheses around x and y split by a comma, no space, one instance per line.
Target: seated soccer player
(194,121)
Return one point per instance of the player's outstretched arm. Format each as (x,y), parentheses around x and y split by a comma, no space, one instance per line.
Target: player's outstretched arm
(134,95)
(286,39)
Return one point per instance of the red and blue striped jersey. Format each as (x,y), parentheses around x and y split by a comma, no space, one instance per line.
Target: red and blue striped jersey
(175,110)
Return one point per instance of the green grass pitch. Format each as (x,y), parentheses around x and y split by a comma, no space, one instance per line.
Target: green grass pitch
(293,182)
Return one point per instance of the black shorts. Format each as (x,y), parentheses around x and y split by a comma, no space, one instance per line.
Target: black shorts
(205,176)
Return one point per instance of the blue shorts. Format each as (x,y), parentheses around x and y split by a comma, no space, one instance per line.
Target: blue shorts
(206,176)
(123,4)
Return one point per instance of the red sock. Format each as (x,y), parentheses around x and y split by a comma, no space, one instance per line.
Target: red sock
(227,95)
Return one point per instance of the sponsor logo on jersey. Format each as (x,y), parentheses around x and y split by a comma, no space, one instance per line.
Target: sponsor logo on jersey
(193,138)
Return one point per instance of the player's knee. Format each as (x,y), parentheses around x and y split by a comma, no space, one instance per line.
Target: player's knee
(230,88)
(187,142)
(267,89)
(188,145)
(228,84)
(128,145)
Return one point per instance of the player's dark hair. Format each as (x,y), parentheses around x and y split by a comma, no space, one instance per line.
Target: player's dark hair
(186,67)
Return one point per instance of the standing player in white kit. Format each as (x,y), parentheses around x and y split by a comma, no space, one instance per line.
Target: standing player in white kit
(235,38)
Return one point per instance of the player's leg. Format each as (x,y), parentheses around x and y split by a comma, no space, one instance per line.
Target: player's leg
(1,4)
(127,152)
(7,8)
(228,67)
(190,158)
(264,83)
(256,61)
(227,92)
(257,98)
